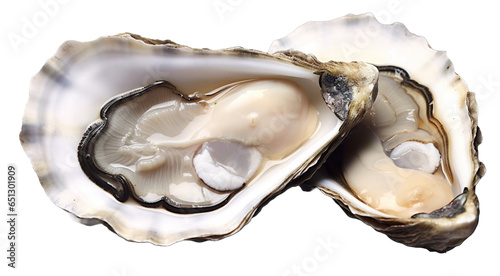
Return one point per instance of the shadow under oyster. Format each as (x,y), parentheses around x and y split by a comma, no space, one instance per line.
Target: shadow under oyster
(410,169)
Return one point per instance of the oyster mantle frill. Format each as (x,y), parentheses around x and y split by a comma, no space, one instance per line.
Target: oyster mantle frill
(157,126)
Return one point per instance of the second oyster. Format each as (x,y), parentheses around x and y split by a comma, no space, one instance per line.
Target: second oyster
(409,172)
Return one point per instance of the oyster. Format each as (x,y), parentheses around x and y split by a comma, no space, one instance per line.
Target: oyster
(410,170)
(192,150)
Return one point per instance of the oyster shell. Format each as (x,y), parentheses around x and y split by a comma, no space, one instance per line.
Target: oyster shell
(163,153)
(423,131)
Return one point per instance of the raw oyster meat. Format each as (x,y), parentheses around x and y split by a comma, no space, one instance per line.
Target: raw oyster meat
(193,150)
(410,169)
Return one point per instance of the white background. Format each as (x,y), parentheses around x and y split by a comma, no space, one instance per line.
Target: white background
(287,231)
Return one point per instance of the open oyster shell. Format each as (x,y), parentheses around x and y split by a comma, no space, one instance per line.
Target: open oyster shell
(424,115)
(195,154)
